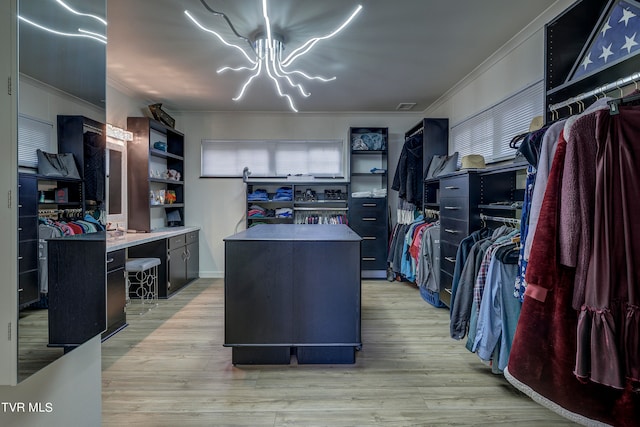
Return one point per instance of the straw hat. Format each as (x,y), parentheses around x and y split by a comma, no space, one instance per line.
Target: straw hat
(473,161)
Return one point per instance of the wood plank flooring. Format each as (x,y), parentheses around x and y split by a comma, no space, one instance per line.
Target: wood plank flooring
(169,368)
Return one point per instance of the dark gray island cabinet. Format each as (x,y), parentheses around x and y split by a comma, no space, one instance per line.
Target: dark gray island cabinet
(293,289)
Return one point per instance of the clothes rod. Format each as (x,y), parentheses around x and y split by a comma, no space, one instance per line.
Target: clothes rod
(506,220)
(635,77)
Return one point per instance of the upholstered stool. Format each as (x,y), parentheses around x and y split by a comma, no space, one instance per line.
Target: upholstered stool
(142,283)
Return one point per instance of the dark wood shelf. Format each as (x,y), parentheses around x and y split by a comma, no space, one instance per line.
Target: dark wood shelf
(166,181)
(164,154)
(169,205)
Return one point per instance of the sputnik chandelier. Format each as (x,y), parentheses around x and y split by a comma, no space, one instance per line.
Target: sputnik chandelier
(267,54)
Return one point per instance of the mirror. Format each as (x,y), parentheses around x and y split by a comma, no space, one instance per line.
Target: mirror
(62,66)
(115,182)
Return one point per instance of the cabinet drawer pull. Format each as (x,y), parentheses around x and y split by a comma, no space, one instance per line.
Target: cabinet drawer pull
(19,206)
(452,208)
(20,257)
(110,260)
(450,259)
(369,238)
(368,258)
(448,230)
(369,205)
(369,219)
(451,187)
(19,228)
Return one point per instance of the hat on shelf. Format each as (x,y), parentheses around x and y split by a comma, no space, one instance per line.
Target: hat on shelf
(536,123)
(473,161)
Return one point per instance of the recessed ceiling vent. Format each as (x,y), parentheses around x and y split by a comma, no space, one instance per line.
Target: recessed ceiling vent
(405,106)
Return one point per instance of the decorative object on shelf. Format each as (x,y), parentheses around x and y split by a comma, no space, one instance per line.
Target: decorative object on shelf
(173,175)
(266,53)
(368,141)
(473,161)
(57,165)
(170,197)
(173,218)
(162,116)
(160,145)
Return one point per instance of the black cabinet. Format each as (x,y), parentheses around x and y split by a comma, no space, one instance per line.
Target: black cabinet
(293,288)
(77,289)
(458,204)
(116,292)
(155,175)
(368,218)
(179,260)
(368,204)
(28,286)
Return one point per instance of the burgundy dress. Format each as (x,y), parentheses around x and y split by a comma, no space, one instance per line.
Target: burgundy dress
(609,325)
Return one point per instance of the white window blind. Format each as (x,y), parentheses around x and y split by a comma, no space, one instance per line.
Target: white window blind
(488,133)
(32,134)
(270,158)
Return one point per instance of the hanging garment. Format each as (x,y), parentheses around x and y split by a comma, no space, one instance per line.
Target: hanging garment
(543,350)
(578,195)
(609,323)
(407,180)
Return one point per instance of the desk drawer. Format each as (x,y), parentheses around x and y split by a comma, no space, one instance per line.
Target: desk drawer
(454,207)
(191,237)
(116,259)
(453,230)
(177,241)
(455,186)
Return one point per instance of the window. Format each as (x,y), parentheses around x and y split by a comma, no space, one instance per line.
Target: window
(32,134)
(273,158)
(488,133)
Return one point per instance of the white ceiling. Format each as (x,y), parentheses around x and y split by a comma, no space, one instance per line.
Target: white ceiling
(393,52)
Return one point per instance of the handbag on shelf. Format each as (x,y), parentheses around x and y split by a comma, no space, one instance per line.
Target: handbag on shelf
(60,165)
(442,165)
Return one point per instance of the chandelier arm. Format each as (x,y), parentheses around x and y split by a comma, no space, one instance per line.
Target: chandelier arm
(226,18)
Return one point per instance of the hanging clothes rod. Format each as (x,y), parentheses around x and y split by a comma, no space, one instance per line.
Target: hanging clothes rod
(87,127)
(417,132)
(635,77)
(512,221)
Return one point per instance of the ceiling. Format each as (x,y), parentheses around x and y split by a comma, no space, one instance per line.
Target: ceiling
(402,51)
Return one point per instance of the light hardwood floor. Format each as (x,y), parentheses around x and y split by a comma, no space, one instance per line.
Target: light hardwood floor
(169,368)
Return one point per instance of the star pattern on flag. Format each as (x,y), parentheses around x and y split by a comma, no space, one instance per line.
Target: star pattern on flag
(616,39)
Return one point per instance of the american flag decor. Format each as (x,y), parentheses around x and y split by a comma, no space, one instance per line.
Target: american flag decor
(618,38)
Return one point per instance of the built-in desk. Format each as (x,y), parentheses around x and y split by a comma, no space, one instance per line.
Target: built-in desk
(292,288)
(177,249)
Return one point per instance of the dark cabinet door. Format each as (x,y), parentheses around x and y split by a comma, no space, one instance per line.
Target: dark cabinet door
(116,292)
(193,261)
(177,268)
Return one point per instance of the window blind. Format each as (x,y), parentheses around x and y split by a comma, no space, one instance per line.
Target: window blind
(488,133)
(32,134)
(272,158)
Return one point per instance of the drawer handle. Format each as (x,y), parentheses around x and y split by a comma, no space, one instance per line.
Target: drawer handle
(450,259)
(19,228)
(452,208)
(368,259)
(369,219)
(369,205)
(19,258)
(451,187)
(448,230)
(19,206)
(110,260)
(369,238)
